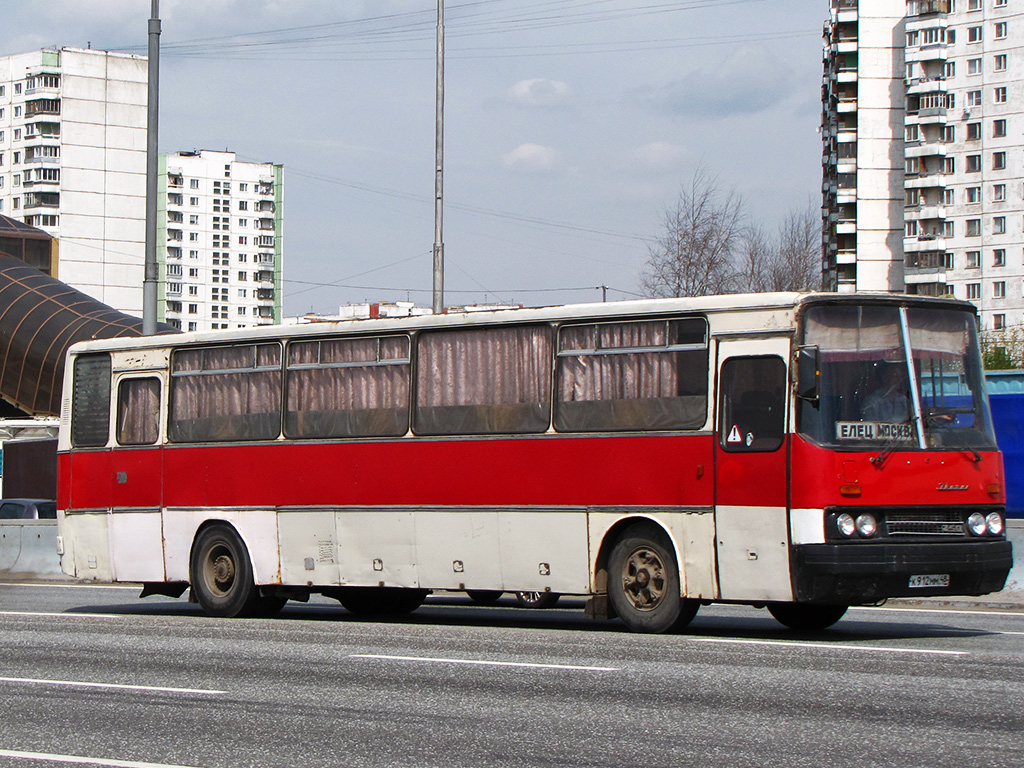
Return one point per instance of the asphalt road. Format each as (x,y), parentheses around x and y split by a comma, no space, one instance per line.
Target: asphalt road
(95,676)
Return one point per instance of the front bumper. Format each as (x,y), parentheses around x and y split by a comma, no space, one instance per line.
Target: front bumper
(867,573)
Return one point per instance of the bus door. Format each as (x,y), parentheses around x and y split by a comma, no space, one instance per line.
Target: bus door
(751,476)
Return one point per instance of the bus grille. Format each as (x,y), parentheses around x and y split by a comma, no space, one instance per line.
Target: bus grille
(921,523)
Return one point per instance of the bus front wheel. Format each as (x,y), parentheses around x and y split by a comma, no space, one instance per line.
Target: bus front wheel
(221,573)
(643,582)
(806,617)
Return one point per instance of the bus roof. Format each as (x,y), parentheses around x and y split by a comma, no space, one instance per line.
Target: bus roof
(748,302)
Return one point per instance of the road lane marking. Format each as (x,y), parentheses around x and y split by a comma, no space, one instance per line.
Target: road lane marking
(482,662)
(829,646)
(72,585)
(115,686)
(85,760)
(960,611)
(62,615)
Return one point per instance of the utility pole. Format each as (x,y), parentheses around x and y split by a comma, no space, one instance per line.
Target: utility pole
(438,167)
(152,273)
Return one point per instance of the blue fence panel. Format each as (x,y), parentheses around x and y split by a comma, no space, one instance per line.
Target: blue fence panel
(1006,394)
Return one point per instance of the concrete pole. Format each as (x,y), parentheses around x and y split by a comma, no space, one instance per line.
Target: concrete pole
(438,166)
(152,273)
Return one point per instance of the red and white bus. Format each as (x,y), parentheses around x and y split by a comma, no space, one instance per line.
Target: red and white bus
(803,452)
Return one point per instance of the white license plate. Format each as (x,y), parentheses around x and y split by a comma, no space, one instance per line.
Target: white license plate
(930,580)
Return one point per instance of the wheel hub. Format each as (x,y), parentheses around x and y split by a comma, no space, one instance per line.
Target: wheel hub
(223,571)
(643,579)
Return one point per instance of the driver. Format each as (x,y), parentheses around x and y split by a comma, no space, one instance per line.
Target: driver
(887,402)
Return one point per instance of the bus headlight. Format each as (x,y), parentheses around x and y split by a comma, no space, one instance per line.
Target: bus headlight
(846,525)
(995,523)
(977,524)
(867,525)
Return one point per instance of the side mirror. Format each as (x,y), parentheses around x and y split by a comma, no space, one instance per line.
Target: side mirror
(808,373)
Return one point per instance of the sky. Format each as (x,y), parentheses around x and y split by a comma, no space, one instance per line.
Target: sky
(570,127)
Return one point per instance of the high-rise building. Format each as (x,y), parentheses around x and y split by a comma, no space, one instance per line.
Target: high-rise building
(73,163)
(926,99)
(221,220)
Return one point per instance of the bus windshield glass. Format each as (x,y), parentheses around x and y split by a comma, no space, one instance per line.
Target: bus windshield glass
(868,396)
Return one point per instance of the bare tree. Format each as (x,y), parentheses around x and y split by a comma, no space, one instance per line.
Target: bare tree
(797,264)
(757,258)
(696,255)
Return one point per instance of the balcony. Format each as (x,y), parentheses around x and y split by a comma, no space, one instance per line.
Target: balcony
(924,212)
(265,224)
(923,85)
(42,200)
(926,181)
(846,256)
(42,107)
(265,205)
(264,241)
(927,149)
(924,243)
(175,235)
(847,104)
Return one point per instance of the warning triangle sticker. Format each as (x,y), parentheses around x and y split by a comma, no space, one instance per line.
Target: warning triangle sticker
(734,435)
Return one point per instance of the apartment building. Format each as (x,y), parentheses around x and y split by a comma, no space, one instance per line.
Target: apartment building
(952,147)
(220,238)
(73,163)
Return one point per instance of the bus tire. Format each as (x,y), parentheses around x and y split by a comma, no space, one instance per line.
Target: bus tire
(221,573)
(484,596)
(536,599)
(643,582)
(267,606)
(378,601)
(806,617)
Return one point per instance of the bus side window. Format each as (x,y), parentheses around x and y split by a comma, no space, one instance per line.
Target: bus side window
(90,405)
(752,407)
(138,411)
(483,381)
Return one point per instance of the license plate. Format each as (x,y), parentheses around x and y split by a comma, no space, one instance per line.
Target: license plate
(930,580)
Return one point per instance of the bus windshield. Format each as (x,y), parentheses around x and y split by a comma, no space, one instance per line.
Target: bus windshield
(868,396)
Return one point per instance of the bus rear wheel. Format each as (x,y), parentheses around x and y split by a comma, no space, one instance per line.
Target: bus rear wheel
(484,596)
(221,573)
(806,617)
(643,582)
(376,601)
(536,599)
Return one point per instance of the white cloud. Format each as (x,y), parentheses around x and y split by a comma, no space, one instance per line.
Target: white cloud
(534,158)
(539,92)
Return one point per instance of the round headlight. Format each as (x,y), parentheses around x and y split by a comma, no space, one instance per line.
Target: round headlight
(995,523)
(977,524)
(845,524)
(867,525)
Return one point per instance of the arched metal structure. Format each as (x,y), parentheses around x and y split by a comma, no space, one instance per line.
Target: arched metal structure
(40,317)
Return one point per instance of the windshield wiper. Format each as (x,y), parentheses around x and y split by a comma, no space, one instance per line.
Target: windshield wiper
(889,448)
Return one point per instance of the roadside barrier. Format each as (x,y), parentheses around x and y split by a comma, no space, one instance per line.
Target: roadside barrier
(28,550)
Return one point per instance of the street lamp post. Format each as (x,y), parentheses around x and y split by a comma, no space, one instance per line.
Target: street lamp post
(438,167)
(151,275)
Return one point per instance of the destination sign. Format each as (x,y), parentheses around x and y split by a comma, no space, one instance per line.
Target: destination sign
(873,430)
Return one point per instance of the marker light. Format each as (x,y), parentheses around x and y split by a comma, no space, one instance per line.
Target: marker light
(995,523)
(977,524)
(867,525)
(846,525)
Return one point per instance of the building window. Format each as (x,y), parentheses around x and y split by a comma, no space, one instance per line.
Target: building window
(999,193)
(948,229)
(999,289)
(973,259)
(998,161)
(974,194)
(193,201)
(1000,62)
(974,66)
(999,225)
(911,166)
(193,290)
(949,165)
(912,197)
(1000,94)
(193,183)
(973,131)
(974,228)
(998,4)
(974,290)
(974,35)
(911,228)
(950,69)
(974,98)
(999,257)
(973,163)
(999,322)
(974,5)
(998,128)
(948,196)
(1000,30)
